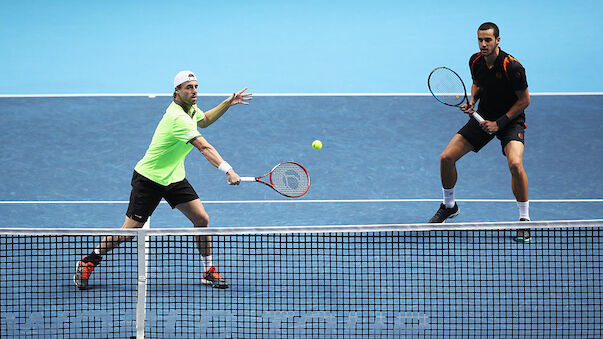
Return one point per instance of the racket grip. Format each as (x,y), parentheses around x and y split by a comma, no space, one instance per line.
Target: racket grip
(477,117)
(248,179)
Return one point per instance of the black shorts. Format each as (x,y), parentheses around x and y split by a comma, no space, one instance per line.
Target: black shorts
(476,136)
(146,195)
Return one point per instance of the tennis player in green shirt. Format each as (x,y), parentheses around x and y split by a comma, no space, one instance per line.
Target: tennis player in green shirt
(160,174)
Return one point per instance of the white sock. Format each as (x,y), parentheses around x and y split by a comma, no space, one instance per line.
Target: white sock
(448,197)
(524,209)
(207,263)
(97,251)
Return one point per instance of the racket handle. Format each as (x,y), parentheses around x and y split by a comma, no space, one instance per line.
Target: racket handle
(248,179)
(477,117)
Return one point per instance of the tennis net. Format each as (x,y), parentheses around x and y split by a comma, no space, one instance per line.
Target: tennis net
(453,280)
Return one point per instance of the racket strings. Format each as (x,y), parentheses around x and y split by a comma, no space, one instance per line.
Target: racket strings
(447,87)
(290,179)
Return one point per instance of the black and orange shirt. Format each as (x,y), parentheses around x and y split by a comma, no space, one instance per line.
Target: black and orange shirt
(498,84)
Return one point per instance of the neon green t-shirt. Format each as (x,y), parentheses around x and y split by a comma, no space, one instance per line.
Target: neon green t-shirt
(163,162)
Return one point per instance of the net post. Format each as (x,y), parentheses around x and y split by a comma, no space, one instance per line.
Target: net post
(142,260)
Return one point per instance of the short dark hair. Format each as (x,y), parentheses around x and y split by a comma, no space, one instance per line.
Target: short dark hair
(489,25)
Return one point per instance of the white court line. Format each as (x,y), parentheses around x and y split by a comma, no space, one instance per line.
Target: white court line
(345,201)
(152,95)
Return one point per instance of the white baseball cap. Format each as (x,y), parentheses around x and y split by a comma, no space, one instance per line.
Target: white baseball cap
(184,76)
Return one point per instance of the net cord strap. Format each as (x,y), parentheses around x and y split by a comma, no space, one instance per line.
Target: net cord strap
(143,262)
(142,289)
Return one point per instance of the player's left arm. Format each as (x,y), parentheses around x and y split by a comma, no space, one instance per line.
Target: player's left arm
(215,113)
(517,77)
(523,101)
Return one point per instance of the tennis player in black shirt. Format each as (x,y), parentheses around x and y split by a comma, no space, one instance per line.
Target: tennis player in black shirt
(500,85)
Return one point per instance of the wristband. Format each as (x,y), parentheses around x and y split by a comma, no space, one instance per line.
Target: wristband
(503,121)
(225,167)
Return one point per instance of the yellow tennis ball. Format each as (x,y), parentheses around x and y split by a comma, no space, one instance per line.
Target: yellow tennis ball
(317,144)
(457,96)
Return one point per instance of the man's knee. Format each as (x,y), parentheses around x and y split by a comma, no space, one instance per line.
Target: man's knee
(447,158)
(455,150)
(516,167)
(201,219)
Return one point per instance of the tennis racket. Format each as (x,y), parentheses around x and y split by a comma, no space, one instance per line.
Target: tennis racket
(448,88)
(287,178)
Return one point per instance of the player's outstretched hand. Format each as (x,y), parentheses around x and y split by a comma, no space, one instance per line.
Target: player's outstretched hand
(241,97)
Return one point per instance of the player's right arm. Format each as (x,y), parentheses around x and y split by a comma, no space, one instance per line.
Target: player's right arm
(214,158)
(470,105)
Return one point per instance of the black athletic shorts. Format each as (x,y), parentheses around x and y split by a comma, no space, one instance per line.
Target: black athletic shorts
(476,136)
(146,195)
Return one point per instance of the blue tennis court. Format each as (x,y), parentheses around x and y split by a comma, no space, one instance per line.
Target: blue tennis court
(84,149)
(71,160)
